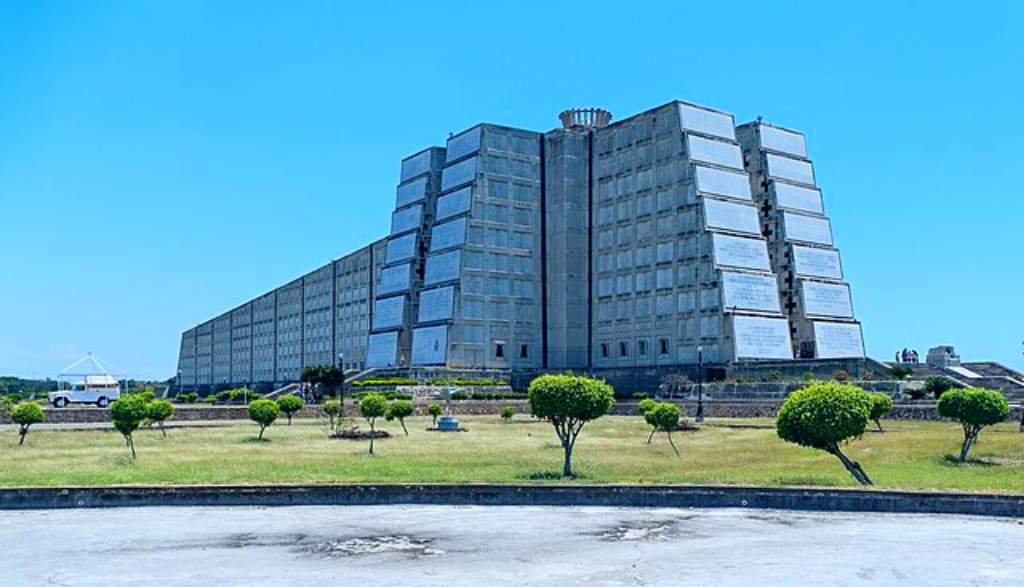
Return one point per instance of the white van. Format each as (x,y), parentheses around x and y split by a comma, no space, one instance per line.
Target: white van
(94,389)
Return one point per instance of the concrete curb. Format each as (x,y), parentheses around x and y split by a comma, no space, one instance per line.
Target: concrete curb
(807,499)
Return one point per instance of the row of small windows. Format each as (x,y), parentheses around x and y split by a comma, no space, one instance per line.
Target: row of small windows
(644,281)
(499,351)
(501,189)
(623,348)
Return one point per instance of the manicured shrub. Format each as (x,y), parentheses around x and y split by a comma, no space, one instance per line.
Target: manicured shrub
(915,392)
(938,386)
(186,398)
(128,414)
(8,401)
(435,411)
(264,412)
(25,415)
(371,407)
(645,406)
(507,413)
(665,417)
(391,381)
(825,415)
(809,376)
(841,375)
(158,411)
(881,405)
(899,372)
(974,409)
(210,399)
(399,410)
(289,405)
(569,402)
(333,410)
(147,394)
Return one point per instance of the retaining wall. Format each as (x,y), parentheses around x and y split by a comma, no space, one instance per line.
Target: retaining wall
(520,495)
(712,409)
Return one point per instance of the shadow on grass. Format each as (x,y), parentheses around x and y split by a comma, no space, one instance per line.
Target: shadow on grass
(740,426)
(954,460)
(255,440)
(549,476)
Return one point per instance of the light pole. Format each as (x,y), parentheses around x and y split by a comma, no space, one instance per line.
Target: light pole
(341,369)
(700,384)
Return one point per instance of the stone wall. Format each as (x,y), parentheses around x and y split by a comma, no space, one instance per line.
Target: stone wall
(480,494)
(712,409)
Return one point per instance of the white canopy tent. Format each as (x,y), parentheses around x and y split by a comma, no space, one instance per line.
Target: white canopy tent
(91,370)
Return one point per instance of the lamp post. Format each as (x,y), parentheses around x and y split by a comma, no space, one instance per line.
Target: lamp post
(341,369)
(700,384)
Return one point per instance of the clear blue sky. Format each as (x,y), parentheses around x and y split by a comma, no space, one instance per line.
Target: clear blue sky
(162,162)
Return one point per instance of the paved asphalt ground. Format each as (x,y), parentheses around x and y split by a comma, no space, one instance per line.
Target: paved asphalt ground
(439,545)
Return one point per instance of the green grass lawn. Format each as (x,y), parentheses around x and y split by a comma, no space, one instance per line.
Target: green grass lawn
(910,455)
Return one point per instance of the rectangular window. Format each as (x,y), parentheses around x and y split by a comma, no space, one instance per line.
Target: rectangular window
(623,349)
(662,346)
(641,348)
(604,350)
(524,352)
(499,350)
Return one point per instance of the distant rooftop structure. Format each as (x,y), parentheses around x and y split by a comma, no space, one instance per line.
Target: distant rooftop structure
(584,118)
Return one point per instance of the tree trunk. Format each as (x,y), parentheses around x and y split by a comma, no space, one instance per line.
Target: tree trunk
(262,428)
(131,445)
(404,429)
(22,433)
(649,438)
(567,464)
(289,419)
(853,467)
(879,424)
(672,443)
(162,429)
(968,441)
(435,421)
(373,434)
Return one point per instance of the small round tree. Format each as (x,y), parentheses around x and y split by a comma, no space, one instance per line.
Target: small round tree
(435,411)
(25,415)
(263,412)
(881,405)
(569,402)
(400,410)
(289,405)
(823,416)
(974,409)
(507,413)
(645,406)
(128,413)
(333,410)
(665,417)
(159,411)
(372,406)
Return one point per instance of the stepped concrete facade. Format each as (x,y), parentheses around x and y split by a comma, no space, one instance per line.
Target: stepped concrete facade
(651,243)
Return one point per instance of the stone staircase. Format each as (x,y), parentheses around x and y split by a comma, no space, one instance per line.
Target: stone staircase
(989,374)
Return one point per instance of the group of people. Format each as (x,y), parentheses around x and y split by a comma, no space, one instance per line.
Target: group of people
(907,356)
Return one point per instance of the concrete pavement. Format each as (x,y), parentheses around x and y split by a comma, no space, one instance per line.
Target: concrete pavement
(444,545)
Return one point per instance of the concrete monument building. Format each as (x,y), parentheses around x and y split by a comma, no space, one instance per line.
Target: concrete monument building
(668,237)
